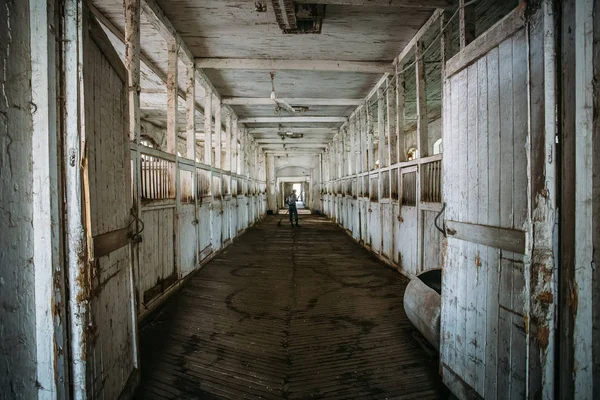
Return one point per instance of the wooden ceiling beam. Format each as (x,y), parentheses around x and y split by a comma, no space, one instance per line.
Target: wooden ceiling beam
(300,101)
(291,120)
(369,67)
(316,130)
(383,3)
(291,142)
(165,28)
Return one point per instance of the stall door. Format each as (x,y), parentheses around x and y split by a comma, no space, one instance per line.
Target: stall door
(483,323)
(374,216)
(110,338)
(217,221)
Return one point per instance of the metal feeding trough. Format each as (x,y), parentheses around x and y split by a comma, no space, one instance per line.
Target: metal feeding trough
(422,304)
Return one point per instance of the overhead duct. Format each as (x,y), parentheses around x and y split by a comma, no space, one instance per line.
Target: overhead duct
(295,18)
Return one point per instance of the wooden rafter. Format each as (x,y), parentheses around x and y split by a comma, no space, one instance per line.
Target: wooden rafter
(371,67)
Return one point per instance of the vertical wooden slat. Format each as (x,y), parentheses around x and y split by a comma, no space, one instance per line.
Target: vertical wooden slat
(506,207)
(585,119)
(471,268)
(463,190)
(484,269)
(491,384)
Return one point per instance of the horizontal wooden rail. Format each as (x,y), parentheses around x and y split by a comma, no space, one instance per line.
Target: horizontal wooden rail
(493,236)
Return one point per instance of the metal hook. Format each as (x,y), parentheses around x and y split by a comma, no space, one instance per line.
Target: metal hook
(436,221)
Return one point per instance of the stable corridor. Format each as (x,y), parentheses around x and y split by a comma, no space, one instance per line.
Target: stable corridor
(287,313)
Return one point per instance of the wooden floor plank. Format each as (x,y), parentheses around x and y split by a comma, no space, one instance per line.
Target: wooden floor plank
(287,313)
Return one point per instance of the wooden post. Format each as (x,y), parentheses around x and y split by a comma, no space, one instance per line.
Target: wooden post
(132,64)
(381,128)
(445,44)
(218,135)
(422,119)
(172,105)
(190,112)
(234,145)
(228,119)
(369,136)
(172,97)
(400,134)
(50,322)
(466,23)
(391,134)
(242,159)
(208,128)
(352,158)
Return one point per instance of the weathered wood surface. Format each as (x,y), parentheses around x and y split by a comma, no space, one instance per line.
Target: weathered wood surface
(110,354)
(483,310)
(157,250)
(499,238)
(295,319)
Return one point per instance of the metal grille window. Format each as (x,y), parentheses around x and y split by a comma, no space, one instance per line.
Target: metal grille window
(431,182)
(394,181)
(385,184)
(409,189)
(157,178)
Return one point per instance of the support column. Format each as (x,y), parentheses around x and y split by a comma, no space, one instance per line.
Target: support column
(381,128)
(190,112)
(369,137)
(50,297)
(234,144)
(352,156)
(391,133)
(228,151)
(172,97)
(400,134)
(422,119)
(218,135)
(208,128)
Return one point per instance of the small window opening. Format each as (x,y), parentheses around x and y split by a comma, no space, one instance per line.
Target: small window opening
(438,148)
(412,154)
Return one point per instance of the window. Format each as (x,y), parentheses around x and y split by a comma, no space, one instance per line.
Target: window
(412,154)
(438,148)
(146,141)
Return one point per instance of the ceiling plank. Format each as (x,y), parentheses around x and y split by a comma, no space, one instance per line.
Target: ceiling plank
(291,120)
(370,67)
(382,3)
(254,101)
(165,28)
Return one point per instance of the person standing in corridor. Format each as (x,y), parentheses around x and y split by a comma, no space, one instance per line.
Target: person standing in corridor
(291,201)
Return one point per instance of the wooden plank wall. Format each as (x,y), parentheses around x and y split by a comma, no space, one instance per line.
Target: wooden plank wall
(402,235)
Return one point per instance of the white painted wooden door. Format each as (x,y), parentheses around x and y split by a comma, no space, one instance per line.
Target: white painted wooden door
(483,324)
(110,338)
(217,220)
(387,223)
